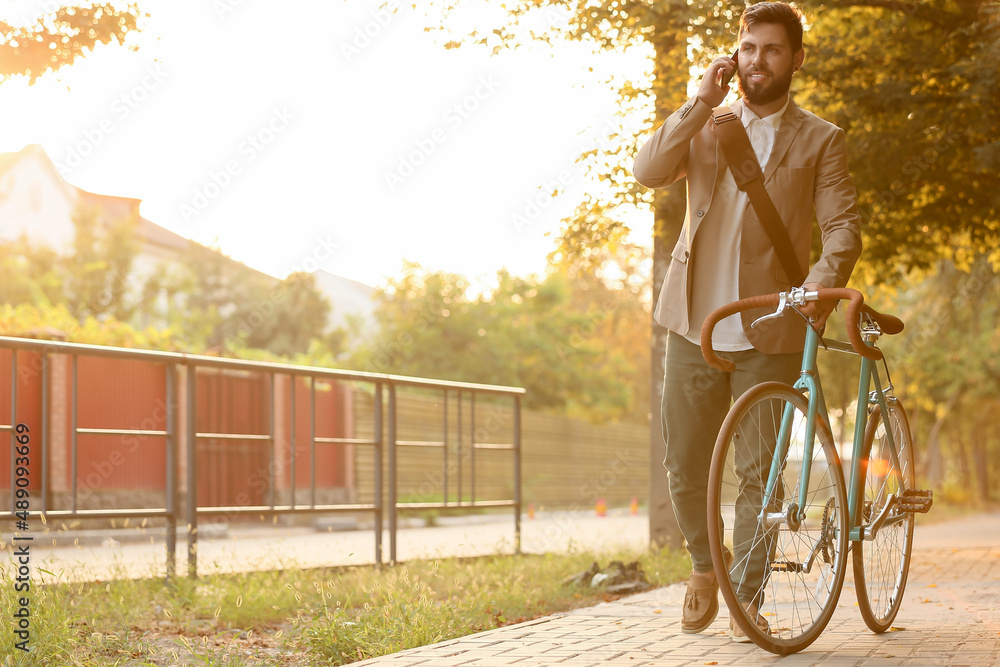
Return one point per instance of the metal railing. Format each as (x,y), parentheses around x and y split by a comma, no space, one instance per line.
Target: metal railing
(383,419)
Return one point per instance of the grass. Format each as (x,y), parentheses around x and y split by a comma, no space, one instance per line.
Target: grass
(300,616)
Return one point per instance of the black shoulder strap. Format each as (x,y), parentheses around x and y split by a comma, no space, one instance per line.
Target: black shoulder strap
(750,179)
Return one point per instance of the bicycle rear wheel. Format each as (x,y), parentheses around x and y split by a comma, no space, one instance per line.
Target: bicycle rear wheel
(789,552)
(882,563)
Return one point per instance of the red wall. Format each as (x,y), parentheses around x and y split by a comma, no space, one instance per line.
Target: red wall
(113,393)
(132,395)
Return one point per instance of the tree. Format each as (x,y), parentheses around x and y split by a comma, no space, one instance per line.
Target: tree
(538,334)
(220,304)
(284,318)
(29,273)
(92,281)
(96,274)
(57,37)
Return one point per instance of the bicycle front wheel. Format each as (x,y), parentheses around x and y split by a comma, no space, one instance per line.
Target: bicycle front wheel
(789,544)
(881,563)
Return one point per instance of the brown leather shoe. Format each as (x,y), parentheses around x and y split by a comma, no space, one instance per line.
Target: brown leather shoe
(701,601)
(736,632)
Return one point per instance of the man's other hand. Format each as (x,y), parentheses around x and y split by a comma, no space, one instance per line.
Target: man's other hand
(819,311)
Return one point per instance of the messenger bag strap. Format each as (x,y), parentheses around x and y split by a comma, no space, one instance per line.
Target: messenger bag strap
(750,179)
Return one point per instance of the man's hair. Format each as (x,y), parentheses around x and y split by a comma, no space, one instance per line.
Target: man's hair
(776,12)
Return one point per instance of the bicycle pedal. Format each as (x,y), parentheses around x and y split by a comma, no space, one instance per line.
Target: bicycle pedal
(786,566)
(915,500)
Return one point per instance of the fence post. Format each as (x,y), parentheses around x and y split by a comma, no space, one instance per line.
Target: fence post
(171,470)
(378,473)
(13,428)
(472,448)
(517,474)
(192,474)
(272,462)
(73,429)
(312,441)
(444,447)
(392,474)
(45,431)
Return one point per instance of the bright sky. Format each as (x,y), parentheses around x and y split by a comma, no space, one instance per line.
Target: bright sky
(325,130)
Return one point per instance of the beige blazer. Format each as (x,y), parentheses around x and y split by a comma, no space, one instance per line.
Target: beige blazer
(806,173)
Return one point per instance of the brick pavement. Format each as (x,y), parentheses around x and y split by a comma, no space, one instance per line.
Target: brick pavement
(950,616)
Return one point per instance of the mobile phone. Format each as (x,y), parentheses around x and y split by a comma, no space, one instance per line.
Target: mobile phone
(734,58)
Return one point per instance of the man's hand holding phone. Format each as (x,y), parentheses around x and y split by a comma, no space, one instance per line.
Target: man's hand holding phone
(715,83)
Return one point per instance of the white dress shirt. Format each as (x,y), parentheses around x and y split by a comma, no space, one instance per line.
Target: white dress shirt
(715,272)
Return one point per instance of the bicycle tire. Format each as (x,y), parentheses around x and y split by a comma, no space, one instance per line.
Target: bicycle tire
(881,564)
(797,605)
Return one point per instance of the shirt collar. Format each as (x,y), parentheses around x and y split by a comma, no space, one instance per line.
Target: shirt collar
(774,120)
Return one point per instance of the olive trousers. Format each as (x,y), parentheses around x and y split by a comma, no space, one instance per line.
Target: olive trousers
(696,399)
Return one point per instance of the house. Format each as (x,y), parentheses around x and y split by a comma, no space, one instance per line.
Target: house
(36,201)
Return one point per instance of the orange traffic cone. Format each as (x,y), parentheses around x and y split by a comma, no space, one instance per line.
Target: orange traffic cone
(601,507)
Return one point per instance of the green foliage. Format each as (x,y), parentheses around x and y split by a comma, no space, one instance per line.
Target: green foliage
(59,35)
(92,281)
(916,88)
(565,345)
(28,273)
(96,274)
(947,370)
(56,321)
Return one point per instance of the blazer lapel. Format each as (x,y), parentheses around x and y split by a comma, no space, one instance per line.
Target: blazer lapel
(790,124)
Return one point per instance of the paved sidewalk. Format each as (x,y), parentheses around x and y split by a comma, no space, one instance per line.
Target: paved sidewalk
(950,616)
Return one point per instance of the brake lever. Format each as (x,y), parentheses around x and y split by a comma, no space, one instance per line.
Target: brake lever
(782,302)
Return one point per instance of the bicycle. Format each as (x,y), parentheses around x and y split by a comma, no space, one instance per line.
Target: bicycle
(797,518)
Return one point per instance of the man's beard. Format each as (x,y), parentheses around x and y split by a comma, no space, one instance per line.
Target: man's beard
(773,88)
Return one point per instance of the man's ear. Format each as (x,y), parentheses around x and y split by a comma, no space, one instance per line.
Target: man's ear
(798,59)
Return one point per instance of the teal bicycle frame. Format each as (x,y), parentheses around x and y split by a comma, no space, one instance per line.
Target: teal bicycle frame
(809,383)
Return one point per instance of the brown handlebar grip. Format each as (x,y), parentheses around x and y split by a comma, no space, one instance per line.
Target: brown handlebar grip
(720,314)
(857,300)
(835,293)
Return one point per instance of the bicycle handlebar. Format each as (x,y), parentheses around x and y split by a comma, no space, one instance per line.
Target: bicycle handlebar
(854,310)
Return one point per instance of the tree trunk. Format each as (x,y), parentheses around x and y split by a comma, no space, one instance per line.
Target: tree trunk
(670,91)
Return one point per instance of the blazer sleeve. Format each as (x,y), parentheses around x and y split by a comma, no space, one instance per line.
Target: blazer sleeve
(663,159)
(836,204)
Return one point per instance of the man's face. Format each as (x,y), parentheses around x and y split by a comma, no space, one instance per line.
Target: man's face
(766,63)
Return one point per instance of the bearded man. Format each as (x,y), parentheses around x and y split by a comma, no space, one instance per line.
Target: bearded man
(724,254)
